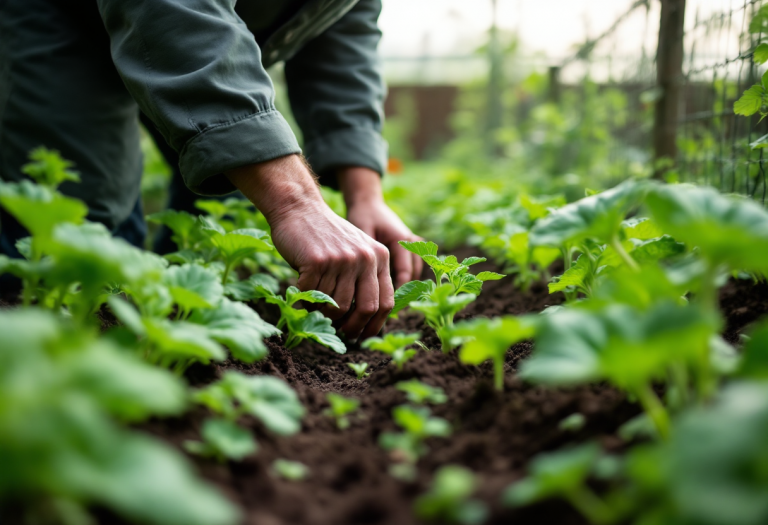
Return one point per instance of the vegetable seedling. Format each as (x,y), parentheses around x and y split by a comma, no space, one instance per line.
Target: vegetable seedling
(438,301)
(300,323)
(340,408)
(490,339)
(418,425)
(360,369)
(448,500)
(394,345)
(222,440)
(420,393)
(562,474)
(290,470)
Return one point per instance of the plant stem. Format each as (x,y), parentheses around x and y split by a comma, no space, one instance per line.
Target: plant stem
(655,409)
(628,260)
(225,275)
(498,374)
(590,505)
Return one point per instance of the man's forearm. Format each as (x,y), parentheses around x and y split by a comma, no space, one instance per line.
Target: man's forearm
(359,185)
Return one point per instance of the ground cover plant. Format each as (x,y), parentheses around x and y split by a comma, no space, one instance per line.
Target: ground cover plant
(617,376)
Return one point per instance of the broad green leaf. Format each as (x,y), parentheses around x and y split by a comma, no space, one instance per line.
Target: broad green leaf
(318,328)
(726,229)
(270,400)
(640,289)
(239,244)
(469,261)
(247,289)
(553,474)
(181,341)
(38,208)
(420,248)
(761,53)
(127,314)
(193,286)
(223,439)
(759,22)
(290,470)
(419,422)
(48,168)
(489,276)
(541,206)
(754,361)
(391,342)
(654,250)
(598,217)
(642,228)
(579,275)
(292,295)
(750,102)
(238,327)
(409,292)
(181,223)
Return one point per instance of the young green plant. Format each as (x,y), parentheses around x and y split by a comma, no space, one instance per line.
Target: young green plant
(395,345)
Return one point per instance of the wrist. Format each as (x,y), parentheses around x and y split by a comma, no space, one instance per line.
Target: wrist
(278,186)
(359,186)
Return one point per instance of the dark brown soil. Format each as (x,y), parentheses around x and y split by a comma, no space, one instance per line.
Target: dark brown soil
(495,435)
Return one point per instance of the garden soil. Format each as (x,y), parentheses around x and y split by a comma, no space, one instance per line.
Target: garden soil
(495,434)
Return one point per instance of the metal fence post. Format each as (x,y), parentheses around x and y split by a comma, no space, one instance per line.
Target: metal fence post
(669,71)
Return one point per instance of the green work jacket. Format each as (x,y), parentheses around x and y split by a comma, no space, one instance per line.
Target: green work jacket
(74,74)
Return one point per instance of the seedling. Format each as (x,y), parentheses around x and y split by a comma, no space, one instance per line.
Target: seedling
(290,470)
(340,408)
(418,425)
(232,247)
(448,500)
(266,398)
(438,301)
(562,474)
(302,324)
(394,345)
(360,369)
(420,393)
(490,339)
(572,423)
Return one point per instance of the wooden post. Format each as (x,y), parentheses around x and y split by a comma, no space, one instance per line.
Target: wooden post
(554,85)
(669,71)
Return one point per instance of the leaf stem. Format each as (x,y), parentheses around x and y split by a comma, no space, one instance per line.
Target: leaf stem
(628,260)
(498,374)
(590,505)
(654,408)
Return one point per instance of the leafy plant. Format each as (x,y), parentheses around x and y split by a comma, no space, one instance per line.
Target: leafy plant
(562,474)
(266,398)
(485,339)
(437,301)
(394,344)
(290,470)
(341,407)
(448,499)
(360,369)
(418,425)
(302,324)
(420,393)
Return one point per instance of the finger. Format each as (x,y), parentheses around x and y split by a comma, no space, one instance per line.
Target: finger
(366,304)
(386,304)
(308,280)
(343,295)
(402,265)
(327,285)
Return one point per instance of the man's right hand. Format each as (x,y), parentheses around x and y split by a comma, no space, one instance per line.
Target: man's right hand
(330,254)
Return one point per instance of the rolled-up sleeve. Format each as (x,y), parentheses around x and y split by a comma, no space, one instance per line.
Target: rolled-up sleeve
(195,70)
(337,92)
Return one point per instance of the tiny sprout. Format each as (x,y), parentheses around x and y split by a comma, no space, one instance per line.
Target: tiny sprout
(360,369)
(448,500)
(394,345)
(572,423)
(289,470)
(340,408)
(419,393)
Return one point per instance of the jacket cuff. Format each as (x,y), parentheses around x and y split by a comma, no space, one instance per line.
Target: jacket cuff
(256,138)
(347,147)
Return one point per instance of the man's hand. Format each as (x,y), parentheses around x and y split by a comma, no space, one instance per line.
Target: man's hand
(367,210)
(330,254)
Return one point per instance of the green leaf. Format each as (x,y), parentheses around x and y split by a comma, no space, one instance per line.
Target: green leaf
(409,292)
(391,342)
(598,217)
(654,250)
(760,143)
(223,439)
(579,275)
(181,223)
(553,474)
(246,290)
(447,501)
(754,362)
(48,168)
(418,422)
(469,261)
(489,276)
(419,393)
(420,248)
(292,295)
(750,102)
(761,54)
(759,22)
(270,400)
(238,327)
(360,369)
(318,328)
(340,407)
(193,286)
(236,245)
(40,209)
(290,470)
(642,228)
(727,230)
(182,341)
